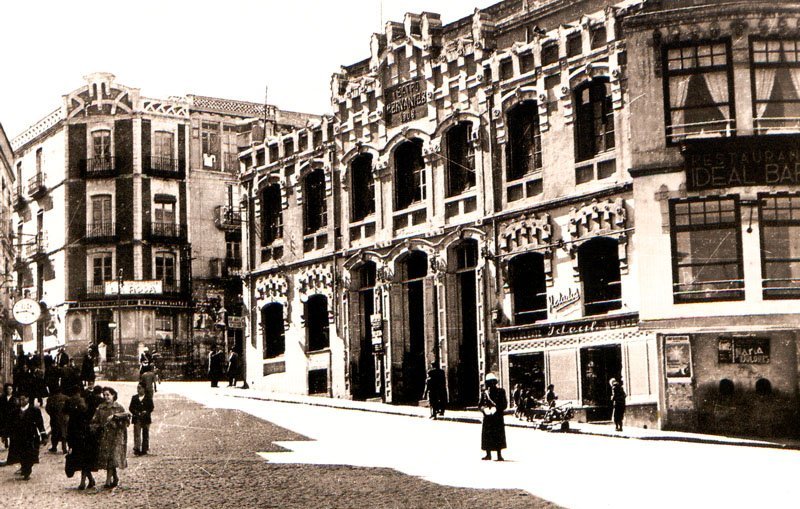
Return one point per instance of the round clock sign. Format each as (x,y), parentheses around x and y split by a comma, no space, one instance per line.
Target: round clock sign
(26,311)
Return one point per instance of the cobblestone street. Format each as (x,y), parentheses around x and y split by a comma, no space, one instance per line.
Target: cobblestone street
(203,457)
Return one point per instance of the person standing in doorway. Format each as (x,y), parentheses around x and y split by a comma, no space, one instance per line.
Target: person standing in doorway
(215,361)
(8,405)
(233,368)
(27,434)
(141,408)
(618,402)
(435,390)
(492,405)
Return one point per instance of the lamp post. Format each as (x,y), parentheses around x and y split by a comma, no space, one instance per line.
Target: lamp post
(119,323)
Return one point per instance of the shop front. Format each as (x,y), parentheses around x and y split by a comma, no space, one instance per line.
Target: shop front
(580,357)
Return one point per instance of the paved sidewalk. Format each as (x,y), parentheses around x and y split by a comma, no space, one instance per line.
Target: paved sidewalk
(475,417)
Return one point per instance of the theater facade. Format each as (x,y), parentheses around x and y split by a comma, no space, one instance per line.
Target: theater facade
(554,192)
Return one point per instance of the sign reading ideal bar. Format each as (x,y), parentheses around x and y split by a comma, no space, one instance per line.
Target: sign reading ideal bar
(742,161)
(405,102)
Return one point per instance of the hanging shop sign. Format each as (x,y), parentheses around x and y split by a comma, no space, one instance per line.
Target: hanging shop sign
(26,311)
(742,161)
(405,102)
(678,358)
(235,322)
(743,350)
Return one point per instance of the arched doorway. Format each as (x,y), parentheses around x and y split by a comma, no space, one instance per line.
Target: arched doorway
(363,302)
(463,337)
(411,331)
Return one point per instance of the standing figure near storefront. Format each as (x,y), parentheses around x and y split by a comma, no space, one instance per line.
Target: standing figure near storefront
(8,405)
(492,405)
(435,390)
(141,408)
(215,361)
(27,434)
(233,368)
(618,402)
(111,423)
(87,367)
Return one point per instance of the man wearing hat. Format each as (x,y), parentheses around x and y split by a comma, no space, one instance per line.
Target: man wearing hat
(492,405)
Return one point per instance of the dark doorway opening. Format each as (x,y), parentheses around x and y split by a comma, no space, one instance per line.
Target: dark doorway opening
(317,323)
(466,389)
(103,333)
(318,381)
(272,327)
(365,369)
(599,364)
(527,370)
(413,376)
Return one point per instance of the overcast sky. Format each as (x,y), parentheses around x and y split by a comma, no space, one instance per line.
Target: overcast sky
(230,48)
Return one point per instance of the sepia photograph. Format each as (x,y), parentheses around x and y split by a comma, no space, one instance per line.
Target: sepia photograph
(400,254)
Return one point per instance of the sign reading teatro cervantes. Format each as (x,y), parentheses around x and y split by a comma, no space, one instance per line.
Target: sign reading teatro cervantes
(405,102)
(742,161)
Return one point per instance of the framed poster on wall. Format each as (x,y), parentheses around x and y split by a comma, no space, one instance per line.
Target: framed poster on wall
(678,359)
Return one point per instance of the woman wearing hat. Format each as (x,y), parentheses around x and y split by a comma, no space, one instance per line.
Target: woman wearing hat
(493,404)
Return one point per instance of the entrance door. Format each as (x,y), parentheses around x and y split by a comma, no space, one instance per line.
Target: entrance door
(598,366)
(468,349)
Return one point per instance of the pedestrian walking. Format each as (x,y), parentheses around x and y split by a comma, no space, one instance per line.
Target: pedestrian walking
(145,360)
(215,361)
(435,390)
(58,420)
(149,379)
(233,368)
(82,444)
(27,434)
(8,405)
(141,408)
(94,396)
(618,402)
(110,422)
(87,367)
(62,358)
(492,405)
(37,390)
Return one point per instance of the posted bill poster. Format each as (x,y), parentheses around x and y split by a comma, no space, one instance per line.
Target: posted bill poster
(678,359)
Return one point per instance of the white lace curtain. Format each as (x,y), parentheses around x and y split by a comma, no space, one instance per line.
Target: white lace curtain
(765,82)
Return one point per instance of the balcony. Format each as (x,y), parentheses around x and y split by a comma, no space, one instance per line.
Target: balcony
(99,167)
(36,186)
(162,166)
(227,218)
(38,247)
(19,198)
(101,232)
(165,232)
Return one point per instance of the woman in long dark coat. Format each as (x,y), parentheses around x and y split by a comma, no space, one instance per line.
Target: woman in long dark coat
(82,444)
(8,405)
(618,402)
(111,421)
(493,404)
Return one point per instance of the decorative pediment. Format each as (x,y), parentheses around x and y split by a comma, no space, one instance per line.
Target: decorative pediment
(531,230)
(607,218)
(315,279)
(101,97)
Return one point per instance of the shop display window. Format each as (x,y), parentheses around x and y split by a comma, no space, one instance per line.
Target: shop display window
(780,245)
(706,249)
(775,73)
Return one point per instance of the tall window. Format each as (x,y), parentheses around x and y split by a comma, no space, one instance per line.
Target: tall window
(272,329)
(776,84)
(598,265)
(362,195)
(594,119)
(699,100)
(271,214)
(460,161)
(780,245)
(317,323)
(524,148)
(101,146)
(706,250)
(164,218)
(102,271)
(233,253)
(102,224)
(315,210)
(165,270)
(527,279)
(209,140)
(163,145)
(409,182)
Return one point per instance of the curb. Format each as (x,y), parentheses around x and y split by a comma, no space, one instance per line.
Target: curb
(575,431)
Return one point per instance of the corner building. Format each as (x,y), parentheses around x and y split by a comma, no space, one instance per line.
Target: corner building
(482,215)
(715,169)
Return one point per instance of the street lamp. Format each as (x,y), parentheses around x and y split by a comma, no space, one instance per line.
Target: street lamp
(119,322)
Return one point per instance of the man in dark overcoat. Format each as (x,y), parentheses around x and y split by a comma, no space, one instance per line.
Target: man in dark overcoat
(87,367)
(233,368)
(8,405)
(493,404)
(27,434)
(436,390)
(215,362)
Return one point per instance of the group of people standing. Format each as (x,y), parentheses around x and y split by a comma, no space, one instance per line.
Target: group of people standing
(86,420)
(218,366)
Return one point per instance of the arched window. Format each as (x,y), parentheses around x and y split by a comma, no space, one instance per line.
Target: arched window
(527,279)
(594,119)
(273,330)
(763,387)
(315,211)
(362,190)
(316,315)
(524,148)
(271,214)
(409,180)
(598,264)
(460,160)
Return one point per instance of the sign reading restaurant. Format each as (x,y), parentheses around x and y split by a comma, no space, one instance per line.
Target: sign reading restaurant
(405,102)
(742,161)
